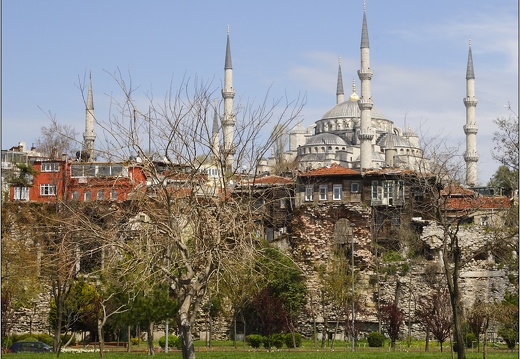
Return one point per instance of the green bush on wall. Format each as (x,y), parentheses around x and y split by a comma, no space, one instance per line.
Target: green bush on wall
(375,339)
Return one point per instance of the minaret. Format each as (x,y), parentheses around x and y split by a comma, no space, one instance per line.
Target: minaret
(215,151)
(390,150)
(228,120)
(340,94)
(471,128)
(365,102)
(89,136)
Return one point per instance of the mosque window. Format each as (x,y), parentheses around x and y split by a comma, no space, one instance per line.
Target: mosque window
(323,192)
(87,196)
(100,195)
(309,193)
(75,195)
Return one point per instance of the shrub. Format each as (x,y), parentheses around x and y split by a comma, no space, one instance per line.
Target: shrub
(47,339)
(173,341)
(289,340)
(254,340)
(135,341)
(276,341)
(65,338)
(470,338)
(375,339)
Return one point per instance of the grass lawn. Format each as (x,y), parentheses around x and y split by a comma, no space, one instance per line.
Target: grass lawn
(229,353)
(225,350)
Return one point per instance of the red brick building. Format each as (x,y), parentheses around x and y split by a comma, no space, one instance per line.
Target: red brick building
(63,179)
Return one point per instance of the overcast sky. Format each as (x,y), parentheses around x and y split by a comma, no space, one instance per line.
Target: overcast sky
(418,54)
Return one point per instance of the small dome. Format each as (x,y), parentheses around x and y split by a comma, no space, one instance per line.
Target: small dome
(326,139)
(299,129)
(350,109)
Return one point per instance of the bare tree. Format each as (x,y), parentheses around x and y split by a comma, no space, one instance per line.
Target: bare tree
(190,227)
(506,140)
(56,138)
(434,311)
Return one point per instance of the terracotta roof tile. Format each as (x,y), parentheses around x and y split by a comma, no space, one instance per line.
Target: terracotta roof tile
(466,203)
(332,170)
(269,180)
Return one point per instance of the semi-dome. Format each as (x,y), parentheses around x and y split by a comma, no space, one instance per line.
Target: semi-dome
(326,138)
(350,109)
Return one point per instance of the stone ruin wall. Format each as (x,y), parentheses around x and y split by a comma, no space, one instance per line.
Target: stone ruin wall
(312,244)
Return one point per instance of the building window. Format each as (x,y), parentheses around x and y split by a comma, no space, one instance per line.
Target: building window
(323,192)
(113,195)
(50,167)
(21,193)
(387,192)
(100,195)
(309,193)
(87,196)
(75,195)
(337,191)
(282,203)
(354,187)
(47,190)
(484,221)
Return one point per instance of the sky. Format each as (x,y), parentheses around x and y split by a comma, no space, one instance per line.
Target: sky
(418,52)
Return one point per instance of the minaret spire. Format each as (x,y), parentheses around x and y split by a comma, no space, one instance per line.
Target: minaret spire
(340,94)
(228,120)
(471,128)
(365,102)
(89,136)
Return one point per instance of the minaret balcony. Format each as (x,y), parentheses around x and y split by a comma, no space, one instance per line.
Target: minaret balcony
(365,74)
(470,129)
(366,136)
(470,101)
(471,156)
(228,93)
(365,104)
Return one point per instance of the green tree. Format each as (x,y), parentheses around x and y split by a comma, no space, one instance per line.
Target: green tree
(150,307)
(508,319)
(286,282)
(504,177)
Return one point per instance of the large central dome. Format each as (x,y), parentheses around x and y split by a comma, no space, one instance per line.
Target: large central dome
(350,109)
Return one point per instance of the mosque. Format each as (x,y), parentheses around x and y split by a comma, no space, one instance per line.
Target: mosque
(356,134)
(353,133)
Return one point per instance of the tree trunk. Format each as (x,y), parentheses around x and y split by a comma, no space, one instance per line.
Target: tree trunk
(427,346)
(101,339)
(129,335)
(484,346)
(235,330)
(150,338)
(188,349)
(334,336)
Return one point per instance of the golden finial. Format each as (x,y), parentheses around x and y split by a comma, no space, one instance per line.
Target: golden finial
(354,96)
